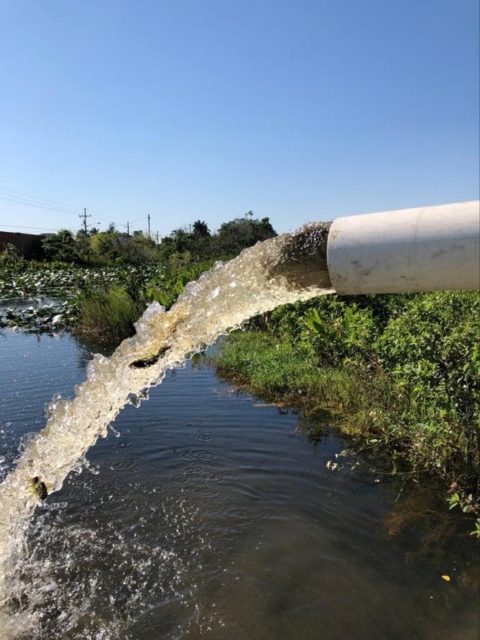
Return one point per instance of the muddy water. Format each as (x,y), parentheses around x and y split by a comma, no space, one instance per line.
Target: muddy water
(206,514)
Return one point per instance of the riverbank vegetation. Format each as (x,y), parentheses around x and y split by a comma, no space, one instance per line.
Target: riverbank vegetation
(397,372)
(99,283)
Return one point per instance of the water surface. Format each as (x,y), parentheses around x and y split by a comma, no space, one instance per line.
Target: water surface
(206,513)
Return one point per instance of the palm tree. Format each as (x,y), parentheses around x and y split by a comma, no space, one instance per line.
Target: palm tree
(201,229)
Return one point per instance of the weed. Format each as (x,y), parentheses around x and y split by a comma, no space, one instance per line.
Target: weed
(400,371)
(109,313)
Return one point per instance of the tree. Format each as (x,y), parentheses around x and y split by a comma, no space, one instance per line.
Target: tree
(241,233)
(60,246)
(105,246)
(200,229)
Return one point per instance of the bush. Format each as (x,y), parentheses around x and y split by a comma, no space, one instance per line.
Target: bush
(10,259)
(107,314)
(401,370)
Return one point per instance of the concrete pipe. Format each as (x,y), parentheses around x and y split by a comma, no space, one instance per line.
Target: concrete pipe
(424,249)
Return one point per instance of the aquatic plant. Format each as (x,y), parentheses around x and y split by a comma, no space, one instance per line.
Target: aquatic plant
(110,314)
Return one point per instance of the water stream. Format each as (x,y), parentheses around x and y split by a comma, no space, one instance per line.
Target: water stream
(206,513)
(261,278)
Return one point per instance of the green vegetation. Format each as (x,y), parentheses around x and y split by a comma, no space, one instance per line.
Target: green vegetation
(111,312)
(231,238)
(399,372)
(99,283)
(194,245)
(46,296)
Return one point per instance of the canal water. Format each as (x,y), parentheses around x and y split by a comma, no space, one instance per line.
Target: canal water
(208,513)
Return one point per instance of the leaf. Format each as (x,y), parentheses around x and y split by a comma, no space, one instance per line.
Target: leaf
(446,578)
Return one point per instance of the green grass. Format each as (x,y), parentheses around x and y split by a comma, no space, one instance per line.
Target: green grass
(292,375)
(109,314)
(400,372)
(267,364)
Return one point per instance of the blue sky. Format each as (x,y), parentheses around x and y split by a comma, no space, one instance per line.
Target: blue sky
(204,109)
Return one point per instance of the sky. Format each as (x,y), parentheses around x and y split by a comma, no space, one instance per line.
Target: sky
(180,110)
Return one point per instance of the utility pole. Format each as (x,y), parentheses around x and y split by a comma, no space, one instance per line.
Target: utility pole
(84,216)
(128,228)
(156,235)
(149,226)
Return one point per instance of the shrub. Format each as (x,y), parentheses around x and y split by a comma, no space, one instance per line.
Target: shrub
(403,370)
(107,314)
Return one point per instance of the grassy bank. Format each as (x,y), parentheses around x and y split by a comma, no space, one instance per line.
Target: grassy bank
(399,372)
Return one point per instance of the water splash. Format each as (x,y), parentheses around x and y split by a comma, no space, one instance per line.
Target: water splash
(278,271)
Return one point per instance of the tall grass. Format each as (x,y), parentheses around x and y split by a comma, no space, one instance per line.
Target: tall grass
(107,314)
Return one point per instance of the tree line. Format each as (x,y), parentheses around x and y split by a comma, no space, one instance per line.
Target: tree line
(190,245)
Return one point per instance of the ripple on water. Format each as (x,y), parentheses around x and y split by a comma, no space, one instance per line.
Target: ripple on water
(245,535)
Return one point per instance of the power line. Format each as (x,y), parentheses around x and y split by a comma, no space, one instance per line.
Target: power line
(11,200)
(101,215)
(42,203)
(129,221)
(19,226)
(29,195)
(38,202)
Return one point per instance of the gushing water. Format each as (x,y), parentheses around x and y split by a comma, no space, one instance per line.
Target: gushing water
(279,271)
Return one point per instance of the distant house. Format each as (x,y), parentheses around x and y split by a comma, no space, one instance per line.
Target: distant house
(27,243)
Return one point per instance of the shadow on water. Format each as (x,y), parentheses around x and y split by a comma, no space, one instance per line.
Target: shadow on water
(209,513)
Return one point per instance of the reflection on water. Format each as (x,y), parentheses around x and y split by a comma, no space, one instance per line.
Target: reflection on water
(205,514)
